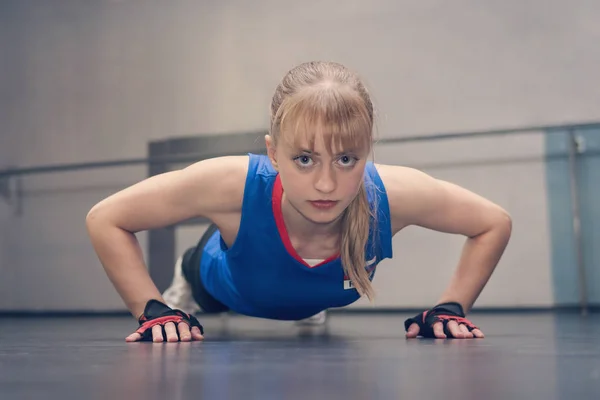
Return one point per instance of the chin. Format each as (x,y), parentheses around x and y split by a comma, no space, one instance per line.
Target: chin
(322,217)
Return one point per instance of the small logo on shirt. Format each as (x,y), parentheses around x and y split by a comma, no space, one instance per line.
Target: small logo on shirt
(370,267)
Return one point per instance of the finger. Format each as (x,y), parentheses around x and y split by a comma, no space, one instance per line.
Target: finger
(134,337)
(171,332)
(478,333)
(465,331)
(157,335)
(438,330)
(184,332)
(413,330)
(196,335)
(455,330)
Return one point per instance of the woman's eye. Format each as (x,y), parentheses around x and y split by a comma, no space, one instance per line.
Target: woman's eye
(347,161)
(303,161)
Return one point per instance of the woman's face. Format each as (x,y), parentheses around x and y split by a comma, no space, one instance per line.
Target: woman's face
(317,183)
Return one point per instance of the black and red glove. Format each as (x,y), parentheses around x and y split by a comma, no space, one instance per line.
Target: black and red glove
(443,313)
(157,313)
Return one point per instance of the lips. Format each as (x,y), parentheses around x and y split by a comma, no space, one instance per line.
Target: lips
(323,204)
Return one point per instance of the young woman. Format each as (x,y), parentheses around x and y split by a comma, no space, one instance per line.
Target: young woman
(298,230)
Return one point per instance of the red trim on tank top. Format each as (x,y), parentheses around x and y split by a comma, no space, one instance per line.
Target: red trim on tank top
(283,233)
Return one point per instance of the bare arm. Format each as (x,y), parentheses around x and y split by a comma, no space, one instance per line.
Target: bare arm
(419,199)
(210,188)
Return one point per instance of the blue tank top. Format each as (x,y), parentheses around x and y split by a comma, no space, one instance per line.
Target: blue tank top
(262,276)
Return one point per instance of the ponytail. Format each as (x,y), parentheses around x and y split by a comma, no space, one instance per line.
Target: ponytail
(355,236)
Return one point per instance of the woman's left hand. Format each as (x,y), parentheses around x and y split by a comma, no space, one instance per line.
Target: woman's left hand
(443,321)
(456,331)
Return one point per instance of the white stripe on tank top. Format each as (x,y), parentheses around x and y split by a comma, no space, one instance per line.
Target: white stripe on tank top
(313,261)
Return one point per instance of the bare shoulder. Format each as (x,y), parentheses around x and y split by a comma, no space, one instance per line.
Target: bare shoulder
(417,198)
(218,183)
(400,179)
(403,185)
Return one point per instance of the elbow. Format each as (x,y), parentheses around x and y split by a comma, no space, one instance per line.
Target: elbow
(102,217)
(498,224)
(91,220)
(503,224)
(99,223)
(92,215)
(95,217)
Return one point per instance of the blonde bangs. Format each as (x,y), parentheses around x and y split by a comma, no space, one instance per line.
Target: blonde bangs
(337,113)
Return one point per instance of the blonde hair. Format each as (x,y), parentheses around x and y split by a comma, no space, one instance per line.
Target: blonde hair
(328,97)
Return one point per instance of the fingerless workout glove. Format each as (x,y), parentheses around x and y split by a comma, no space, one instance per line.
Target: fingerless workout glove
(444,313)
(157,313)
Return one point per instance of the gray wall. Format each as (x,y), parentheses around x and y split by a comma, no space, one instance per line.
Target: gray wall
(98,80)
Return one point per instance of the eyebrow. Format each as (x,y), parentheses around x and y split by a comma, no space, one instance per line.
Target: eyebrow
(319,155)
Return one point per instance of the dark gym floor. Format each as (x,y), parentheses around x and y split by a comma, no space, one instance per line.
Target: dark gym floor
(541,355)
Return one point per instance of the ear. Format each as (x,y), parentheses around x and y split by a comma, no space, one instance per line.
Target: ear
(271,151)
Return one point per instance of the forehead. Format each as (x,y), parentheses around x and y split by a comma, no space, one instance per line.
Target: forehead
(319,139)
(319,143)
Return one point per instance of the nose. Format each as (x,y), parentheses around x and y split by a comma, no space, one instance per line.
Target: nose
(325,180)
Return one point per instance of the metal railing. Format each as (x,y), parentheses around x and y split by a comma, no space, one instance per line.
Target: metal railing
(575,148)
(51,168)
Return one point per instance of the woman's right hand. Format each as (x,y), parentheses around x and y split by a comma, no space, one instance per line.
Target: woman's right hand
(159,318)
(173,334)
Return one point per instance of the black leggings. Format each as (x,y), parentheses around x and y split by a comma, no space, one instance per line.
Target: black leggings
(191,271)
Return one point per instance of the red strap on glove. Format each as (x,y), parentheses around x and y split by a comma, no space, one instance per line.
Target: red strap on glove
(443,313)
(157,313)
